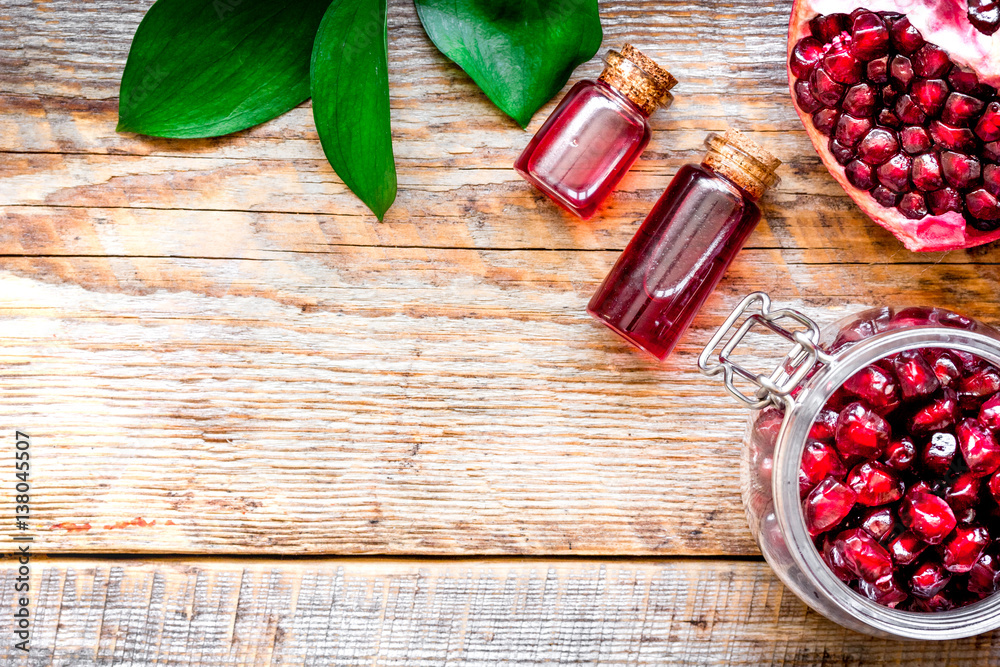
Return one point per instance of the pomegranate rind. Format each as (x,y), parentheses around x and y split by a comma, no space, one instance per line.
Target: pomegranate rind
(972,49)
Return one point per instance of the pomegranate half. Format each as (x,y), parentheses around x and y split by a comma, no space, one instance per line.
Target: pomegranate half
(899,97)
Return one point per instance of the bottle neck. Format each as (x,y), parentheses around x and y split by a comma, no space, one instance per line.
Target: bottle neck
(645,90)
(741,162)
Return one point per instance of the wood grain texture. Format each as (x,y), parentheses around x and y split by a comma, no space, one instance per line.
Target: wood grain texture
(470,613)
(216,334)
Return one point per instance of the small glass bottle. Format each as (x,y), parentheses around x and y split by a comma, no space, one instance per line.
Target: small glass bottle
(685,244)
(596,133)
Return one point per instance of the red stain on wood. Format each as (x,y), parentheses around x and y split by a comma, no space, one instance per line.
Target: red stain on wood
(138,522)
(169,523)
(71,527)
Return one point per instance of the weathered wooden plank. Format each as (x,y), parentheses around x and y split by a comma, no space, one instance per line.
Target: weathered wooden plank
(402,612)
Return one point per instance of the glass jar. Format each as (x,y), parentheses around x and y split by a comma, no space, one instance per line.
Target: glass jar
(785,403)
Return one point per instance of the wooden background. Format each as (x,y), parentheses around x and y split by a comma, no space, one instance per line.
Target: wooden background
(268,429)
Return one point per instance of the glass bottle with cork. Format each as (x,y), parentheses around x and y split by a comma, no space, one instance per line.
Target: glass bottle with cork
(597,132)
(685,244)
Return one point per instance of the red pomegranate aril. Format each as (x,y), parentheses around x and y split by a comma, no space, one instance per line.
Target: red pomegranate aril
(965,81)
(960,108)
(935,603)
(926,173)
(861,175)
(963,493)
(930,94)
(859,100)
(915,376)
(939,414)
(958,169)
(959,139)
(906,548)
(819,461)
(879,522)
(989,414)
(824,428)
(895,173)
(875,484)
(904,36)
(979,449)
(888,119)
(900,454)
(915,139)
(833,556)
(930,61)
(885,196)
(913,205)
(991,151)
(827,505)
(825,89)
(994,486)
(926,516)
(909,111)
(841,153)
(861,432)
(983,205)
(928,579)
(876,386)
(885,591)
(901,72)
(850,130)
(991,179)
(945,364)
(840,64)
(963,548)
(869,36)
(889,94)
(984,15)
(825,120)
(938,453)
(804,97)
(984,576)
(877,70)
(805,55)
(826,27)
(863,555)
(975,388)
(988,126)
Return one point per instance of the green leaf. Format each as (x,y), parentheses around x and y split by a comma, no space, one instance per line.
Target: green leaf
(203,68)
(520,52)
(350,90)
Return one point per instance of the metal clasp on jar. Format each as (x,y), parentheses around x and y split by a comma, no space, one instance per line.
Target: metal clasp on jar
(791,371)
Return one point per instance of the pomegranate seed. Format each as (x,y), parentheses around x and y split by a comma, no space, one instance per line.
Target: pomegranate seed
(840,64)
(889,95)
(860,175)
(975,388)
(939,414)
(930,61)
(916,377)
(959,108)
(991,179)
(804,97)
(885,196)
(833,556)
(825,89)
(863,555)
(939,452)
(930,94)
(904,36)
(875,483)
(805,55)
(915,139)
(909,111)
(850,130)
(913,205)
(988,127)
(956,321)
(859,101)
(766,428)
(963,548)
(861,432)
(991,151)
(825,426)
(819,461)
(983,205)
(926,173)
(980,450)
(885,591)
(888,118)
(826,27)
(984,15)
(899,454)
(843,154)
(878,522)
(968,362)
(958,169)
(869,36)
(827,505)
(984,577)
(895,173)
(926,516)
(906,547)
(964,81)
(928,579)
(825,120)
(989,415)
(901,71)
(877,70)
(994,486)
(963,493)
(959,139)
(875,386)
(935,603)
(945,365)
(877,146)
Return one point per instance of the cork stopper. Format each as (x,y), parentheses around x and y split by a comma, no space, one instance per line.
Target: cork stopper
(637,77)
(742,161)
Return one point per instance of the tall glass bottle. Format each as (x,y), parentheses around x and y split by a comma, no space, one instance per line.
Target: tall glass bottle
(685,244)
(596,133)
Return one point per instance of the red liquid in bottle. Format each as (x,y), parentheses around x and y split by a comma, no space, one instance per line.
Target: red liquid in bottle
(676,259)
(585,147)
